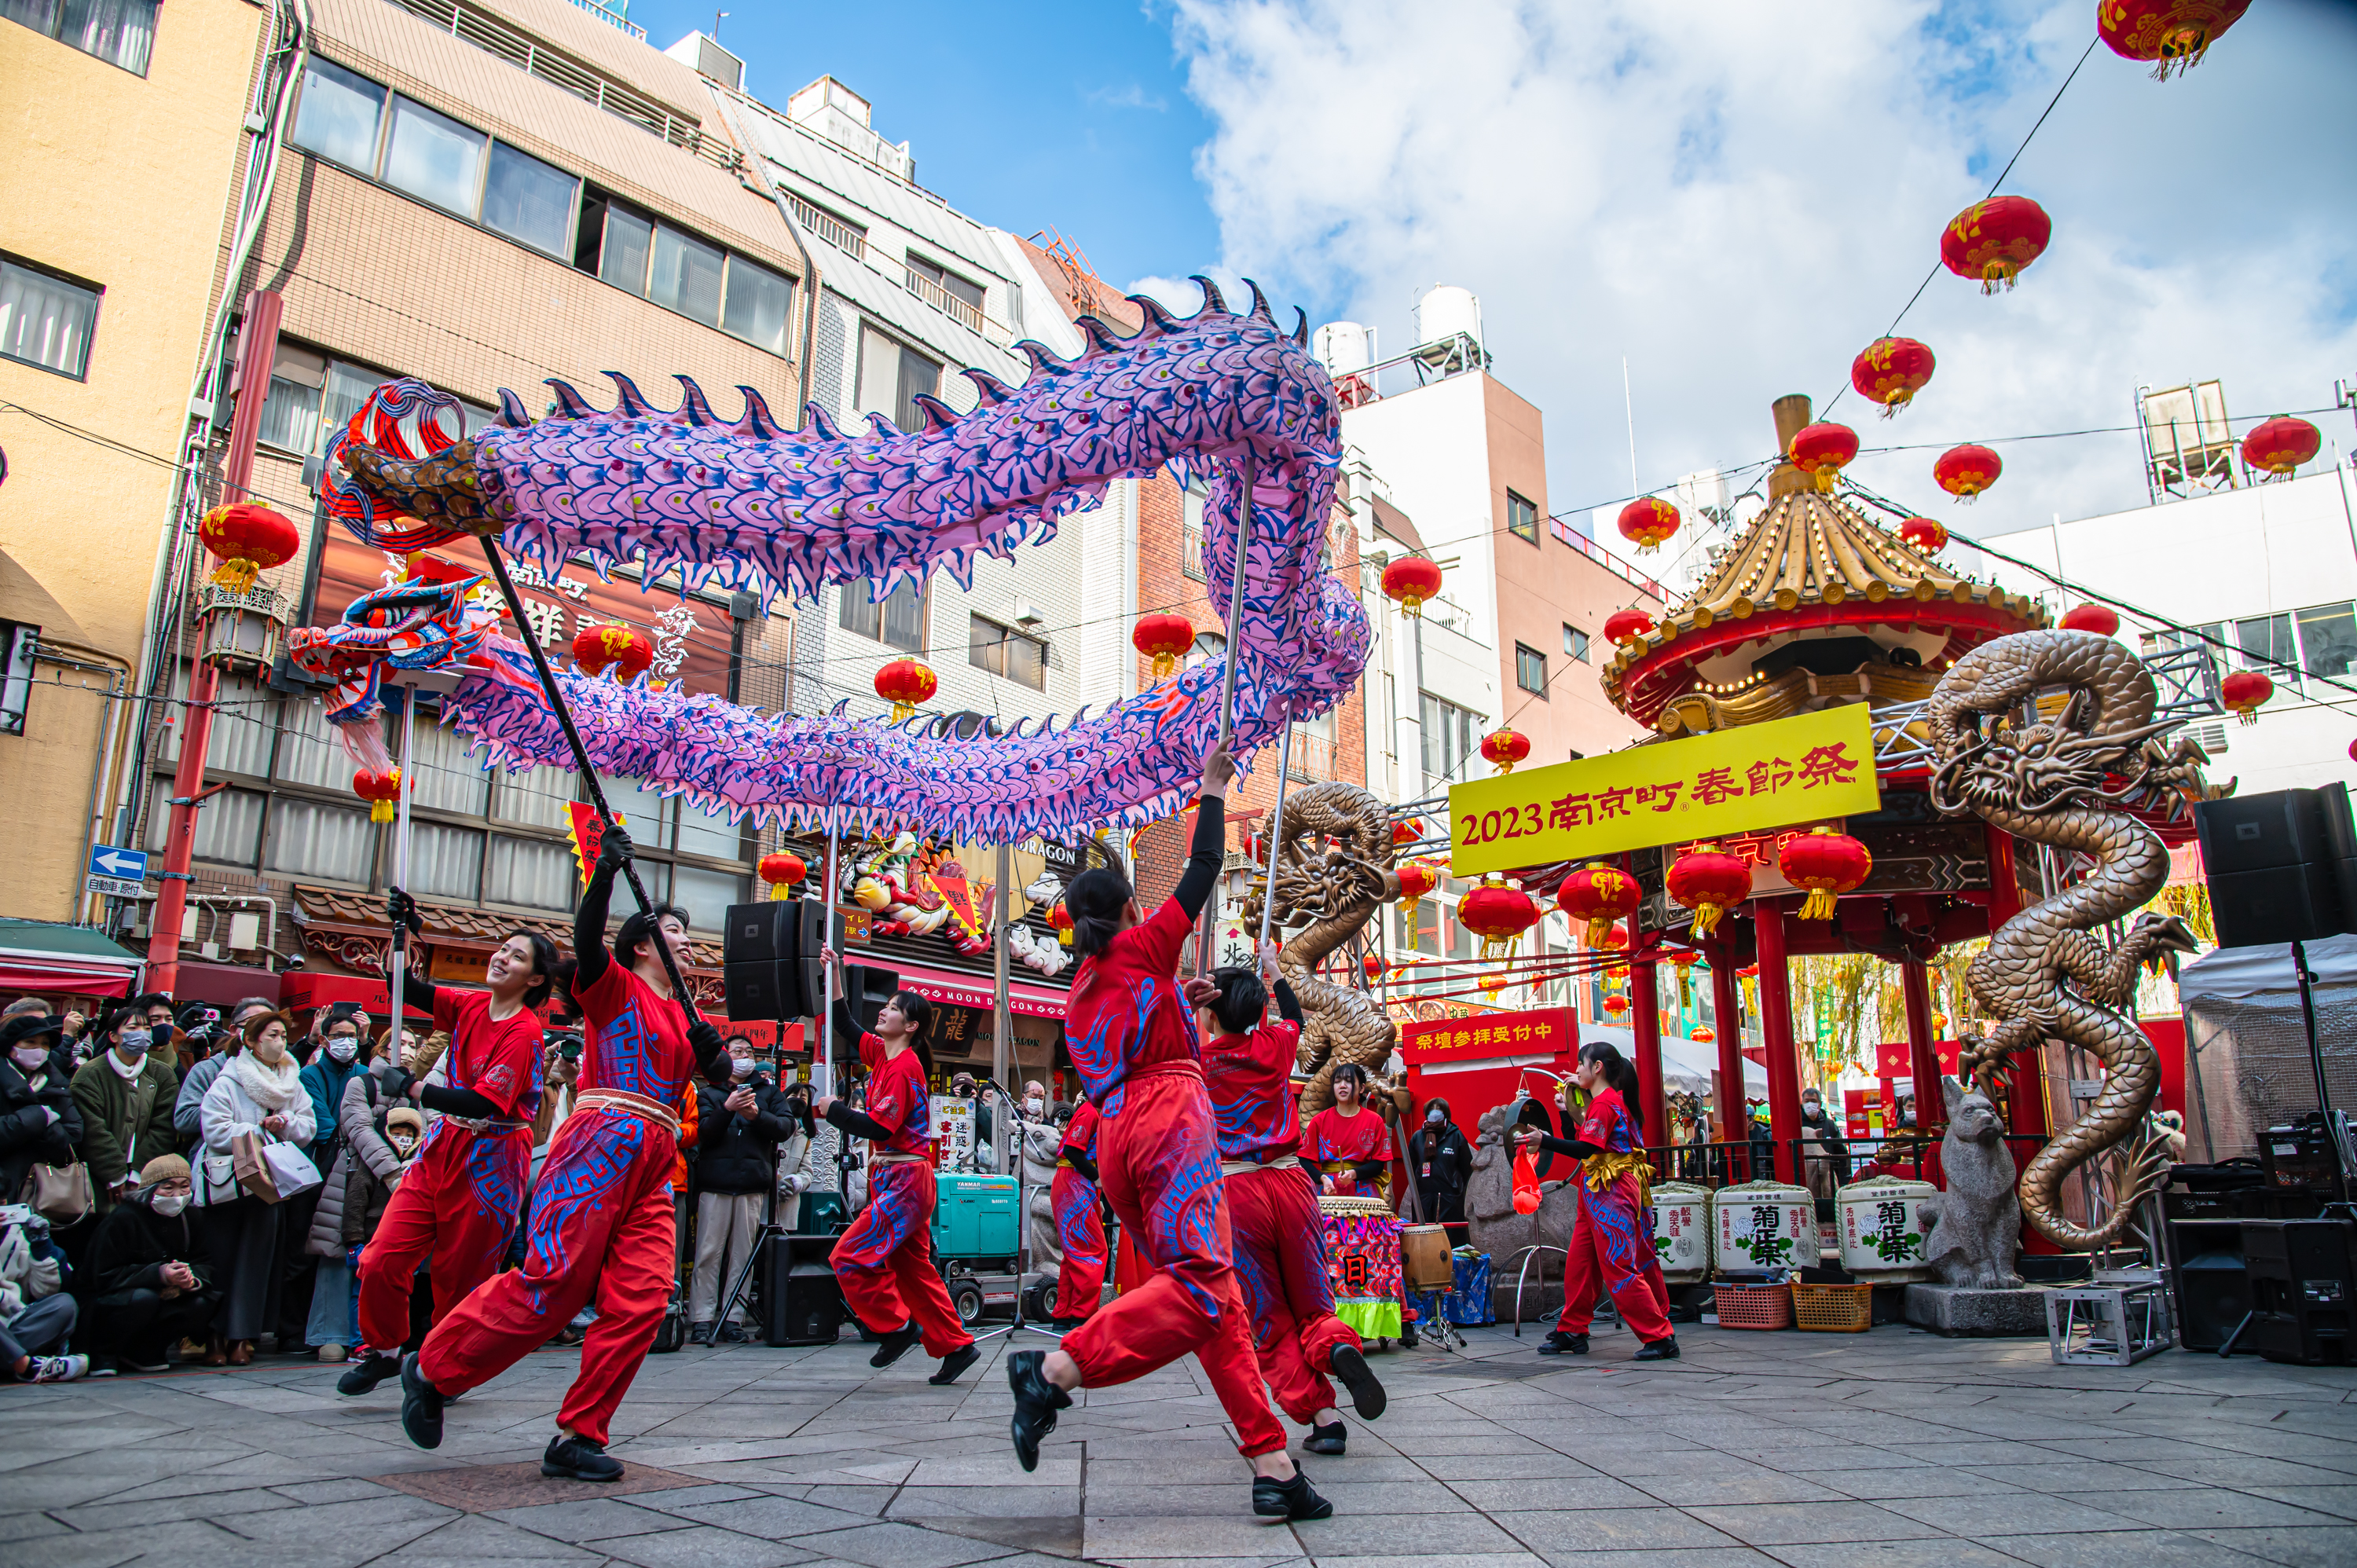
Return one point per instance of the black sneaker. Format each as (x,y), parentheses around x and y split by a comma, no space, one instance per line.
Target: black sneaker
(1330,1438)
(731,1333)
(956,1361)
(1036,1401)
(578,1459)
(895,1345)
(364,1374)
(420,1405)
(142,1365)
(1407,1341)
(1666,1349)
(1367,1395)
(1293,1499)
(699,1334)
(1558,1343)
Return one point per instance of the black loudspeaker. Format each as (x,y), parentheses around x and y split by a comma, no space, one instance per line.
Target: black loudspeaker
(2303,1289)
(868,987)
(800,1301)
(2282,867)
(771,957)
(2214,1292)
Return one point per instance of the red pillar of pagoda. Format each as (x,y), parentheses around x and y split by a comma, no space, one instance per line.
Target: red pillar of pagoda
(1922,1053)
(1727,1007)
(1776,1034)
(1645,1024)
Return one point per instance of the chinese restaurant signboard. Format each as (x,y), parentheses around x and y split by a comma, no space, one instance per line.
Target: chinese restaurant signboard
(1730,781)
(1539,1035)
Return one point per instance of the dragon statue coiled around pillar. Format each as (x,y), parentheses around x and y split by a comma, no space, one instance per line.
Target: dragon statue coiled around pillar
(1334,872)
(1227,397)
(2066,780)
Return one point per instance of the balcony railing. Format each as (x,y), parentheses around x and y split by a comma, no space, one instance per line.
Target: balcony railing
(1313,758)
(1604,558)
(851,240)
(612,17)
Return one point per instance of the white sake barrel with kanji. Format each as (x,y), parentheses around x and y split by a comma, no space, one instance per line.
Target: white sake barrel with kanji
(1763,1225)
(1882,1231)
(1682,1230)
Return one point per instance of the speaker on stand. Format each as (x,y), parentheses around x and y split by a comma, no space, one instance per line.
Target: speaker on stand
(769,957)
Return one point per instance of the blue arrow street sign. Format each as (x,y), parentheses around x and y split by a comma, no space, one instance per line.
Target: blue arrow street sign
(121,864)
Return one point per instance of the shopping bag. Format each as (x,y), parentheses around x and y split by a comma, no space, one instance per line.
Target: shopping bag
(248,1159)
(292,1171)
(59,1194)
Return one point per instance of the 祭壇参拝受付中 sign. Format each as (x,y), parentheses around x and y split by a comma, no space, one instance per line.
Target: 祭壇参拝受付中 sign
(1536,1033)
(1729,781)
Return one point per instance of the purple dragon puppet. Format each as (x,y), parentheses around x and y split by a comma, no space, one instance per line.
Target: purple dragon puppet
(750,506)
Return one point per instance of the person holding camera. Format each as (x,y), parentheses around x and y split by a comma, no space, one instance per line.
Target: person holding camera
(738,1132)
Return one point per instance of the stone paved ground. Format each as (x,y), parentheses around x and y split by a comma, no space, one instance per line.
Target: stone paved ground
(1819,1451)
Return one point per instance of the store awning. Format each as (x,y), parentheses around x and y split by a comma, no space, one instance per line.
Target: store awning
(43,955)
(974,990)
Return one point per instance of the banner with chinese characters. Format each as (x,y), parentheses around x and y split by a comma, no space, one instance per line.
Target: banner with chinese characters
(1729,781)
(692,637)
(1542,1034)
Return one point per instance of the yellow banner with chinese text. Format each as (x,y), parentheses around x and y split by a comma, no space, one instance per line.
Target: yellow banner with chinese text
(1729,781)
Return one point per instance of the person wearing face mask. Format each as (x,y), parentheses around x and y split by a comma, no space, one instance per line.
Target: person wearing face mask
(155,1006)
(125,1094)
(1815,1120)
(39,1123)
(150,1276)
(737,1133)
(259,1092)
(341,1061)
(225,1040)
(1441,1160)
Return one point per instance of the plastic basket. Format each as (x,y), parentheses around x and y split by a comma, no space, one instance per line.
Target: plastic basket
(1833,1309)
(1754,1306)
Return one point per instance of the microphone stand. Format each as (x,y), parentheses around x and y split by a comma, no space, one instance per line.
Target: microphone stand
(1022,1223)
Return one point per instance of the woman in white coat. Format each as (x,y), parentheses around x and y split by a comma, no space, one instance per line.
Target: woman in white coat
(259,1090)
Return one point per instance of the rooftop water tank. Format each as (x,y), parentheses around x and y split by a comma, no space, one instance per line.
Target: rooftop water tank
(1343,346)
(1446,311)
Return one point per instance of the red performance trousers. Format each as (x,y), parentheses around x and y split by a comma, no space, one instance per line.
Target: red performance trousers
(1079,1281)
(885,1261)
(601,1223)
(1159,1162)
(455,1211)
(1280,1247)
(1612,1248)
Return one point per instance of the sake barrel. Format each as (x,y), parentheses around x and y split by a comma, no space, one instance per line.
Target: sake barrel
(1882,1229)
(1682,1230)
(1764,1225)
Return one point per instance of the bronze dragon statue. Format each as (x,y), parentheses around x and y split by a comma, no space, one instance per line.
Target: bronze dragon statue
(2066,778)
(1334,872)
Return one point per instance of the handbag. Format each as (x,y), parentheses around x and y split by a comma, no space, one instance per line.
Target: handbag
(59,1194)
(273,1172)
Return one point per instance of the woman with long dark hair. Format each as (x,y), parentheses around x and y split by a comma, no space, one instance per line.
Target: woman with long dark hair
(1613,1240)
(1133,1041)
(884,1262)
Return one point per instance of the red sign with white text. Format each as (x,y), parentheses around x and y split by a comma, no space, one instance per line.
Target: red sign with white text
(1542,1032)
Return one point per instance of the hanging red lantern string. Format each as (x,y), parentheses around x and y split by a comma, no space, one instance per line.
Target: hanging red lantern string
(2245,692)
(1616,1004)
(1407,830)
(784,871)
(1924,535)
(1648,520)
(1059,920)
(1411,580)
(596,649)
(1825,863)
(1990,241)
(1890,372)
(905,684)
(1623,627)
(1503,749)
(1703,1034)
(248,540)
(2101,619)
(2173,34)
(1966,471)
(2279,446)
(1416,879)
(1598,895)
(1498,914)
(1372,967)
(381,790)
(1823,450)
(1165,638)
(1710,882)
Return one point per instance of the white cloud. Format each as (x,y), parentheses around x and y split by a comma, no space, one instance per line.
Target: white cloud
(1738,197)
(1130,95)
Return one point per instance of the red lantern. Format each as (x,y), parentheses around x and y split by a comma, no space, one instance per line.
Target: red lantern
(2173,33)
(1407,830)
(1825,863)
(1493,984)
(1966,471)
(1710,882)
(1992,241)
(1598,895)
(1059,920)
(1615,941)
(1647,520)
(2352,751)
(904,683)
(781,871)
(1616,1004)
(1499,915)
(1938,1025)
(1372,966)
(1890,372)
(2245,691)
(1823,450)
(381,790)
(2281,445)
(627,652)
(1702,1035)
(1411,580)
(1165,638)
(2097,619)
(247,540)
(1503,749)
(1749,972)
(1924,535)
(1416,878)
(1625,626)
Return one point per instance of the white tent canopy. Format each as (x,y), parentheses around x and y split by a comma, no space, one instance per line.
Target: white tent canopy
(2247,1066)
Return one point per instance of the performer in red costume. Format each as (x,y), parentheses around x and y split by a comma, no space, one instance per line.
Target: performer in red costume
(1280,1245)
(601,1213)
(1133,1043)
(1613,1240)
(461,1201)
(885,1263)
(1080,1228)
(1350,1144)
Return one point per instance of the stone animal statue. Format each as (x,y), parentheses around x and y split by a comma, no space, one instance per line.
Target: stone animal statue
(1975,1224)
(1041,1141)
(2067,780)
(1492,1226)
(1334,872)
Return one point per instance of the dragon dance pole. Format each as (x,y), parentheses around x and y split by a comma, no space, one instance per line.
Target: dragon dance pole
(1228,684)
(1275,836)
(581,760)
(398,971)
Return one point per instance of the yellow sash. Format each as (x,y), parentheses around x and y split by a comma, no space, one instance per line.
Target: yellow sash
(1603,1170)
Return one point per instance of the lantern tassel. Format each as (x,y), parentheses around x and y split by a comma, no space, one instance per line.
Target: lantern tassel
(780,893)
(1599,932)
(1826,477)
(237,575)
(379,810)
(2248,715)
(1818,904)
(1705,920)
(1164,663)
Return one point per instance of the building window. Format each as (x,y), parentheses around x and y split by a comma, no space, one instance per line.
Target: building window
(19,643)
(1190,533)
(532,872)
(891,375)
(678,272)
(759,304)
(312,397)
(706,894)
(530,201)
(44,320)
(1530,669)
(1521,517)
(686,275)
(898,622)
(2328,638)
(1575,642)
(948,282)
(1451,736)
(120,32)
(308,838)
(2266,644)
(229,825)
(433,157)
(1209,648)
(1003,651)
(339,114)
(446,862)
